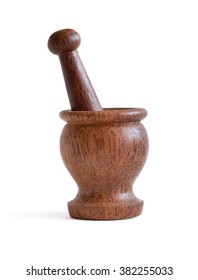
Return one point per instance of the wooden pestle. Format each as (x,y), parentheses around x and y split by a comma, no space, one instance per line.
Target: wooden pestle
(80,91)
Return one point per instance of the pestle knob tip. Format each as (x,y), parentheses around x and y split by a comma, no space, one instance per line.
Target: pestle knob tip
(64,40)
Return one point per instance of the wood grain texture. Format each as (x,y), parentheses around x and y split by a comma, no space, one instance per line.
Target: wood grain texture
(104,152)
(80,91)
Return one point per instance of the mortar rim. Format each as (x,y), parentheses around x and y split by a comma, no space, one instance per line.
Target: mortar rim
(108,115)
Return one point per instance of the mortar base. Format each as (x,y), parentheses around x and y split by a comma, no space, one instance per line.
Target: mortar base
(105,211)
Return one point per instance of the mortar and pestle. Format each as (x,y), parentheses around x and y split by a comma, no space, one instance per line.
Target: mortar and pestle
(103,149)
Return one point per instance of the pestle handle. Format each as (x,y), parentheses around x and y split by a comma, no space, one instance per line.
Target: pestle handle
(80,91)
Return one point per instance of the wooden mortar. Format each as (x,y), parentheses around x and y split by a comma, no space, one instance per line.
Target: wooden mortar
(104,150)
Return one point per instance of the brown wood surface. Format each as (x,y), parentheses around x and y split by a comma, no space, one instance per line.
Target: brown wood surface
(80,91)
(104,150)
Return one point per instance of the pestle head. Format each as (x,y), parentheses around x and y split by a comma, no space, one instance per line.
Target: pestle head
(64,40)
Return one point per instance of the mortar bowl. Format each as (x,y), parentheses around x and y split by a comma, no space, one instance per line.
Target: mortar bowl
(104,151)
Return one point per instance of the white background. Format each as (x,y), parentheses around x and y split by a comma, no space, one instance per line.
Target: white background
(137,54)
